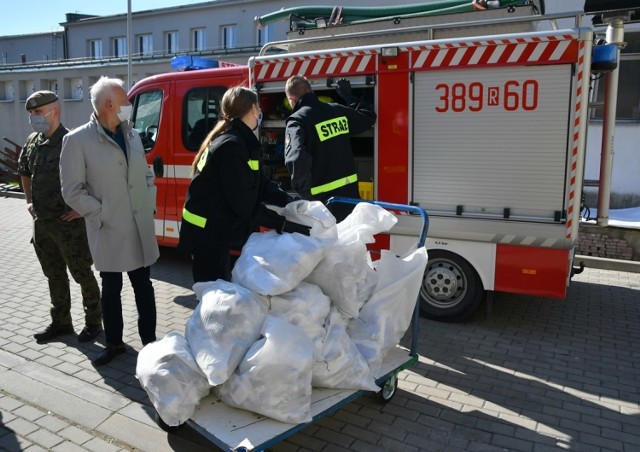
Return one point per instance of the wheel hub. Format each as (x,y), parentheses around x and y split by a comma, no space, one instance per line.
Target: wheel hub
(444,282)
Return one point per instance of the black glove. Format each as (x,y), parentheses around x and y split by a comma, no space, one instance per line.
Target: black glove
(290,226)
(343,88)
(267,218)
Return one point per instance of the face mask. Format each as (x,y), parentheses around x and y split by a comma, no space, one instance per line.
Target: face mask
(258,119)
(39,123)
(125,112)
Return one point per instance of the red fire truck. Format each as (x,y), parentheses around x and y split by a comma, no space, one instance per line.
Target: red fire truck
(482,119)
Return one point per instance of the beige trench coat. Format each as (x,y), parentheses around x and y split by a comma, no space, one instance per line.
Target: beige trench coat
(115,195)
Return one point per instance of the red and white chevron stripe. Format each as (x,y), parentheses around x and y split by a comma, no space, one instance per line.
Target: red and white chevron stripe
(515,51)
(575,140)
(325,64)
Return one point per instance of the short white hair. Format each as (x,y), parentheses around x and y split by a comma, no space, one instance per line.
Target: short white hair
(101,90)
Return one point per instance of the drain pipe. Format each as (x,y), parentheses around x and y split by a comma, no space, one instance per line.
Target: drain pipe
(615,36)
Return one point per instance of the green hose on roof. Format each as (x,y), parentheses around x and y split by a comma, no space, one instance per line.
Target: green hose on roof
(356,13)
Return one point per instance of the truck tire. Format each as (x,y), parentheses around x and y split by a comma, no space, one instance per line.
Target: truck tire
(451,288)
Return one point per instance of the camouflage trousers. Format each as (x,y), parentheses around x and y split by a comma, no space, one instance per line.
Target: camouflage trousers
(60,245)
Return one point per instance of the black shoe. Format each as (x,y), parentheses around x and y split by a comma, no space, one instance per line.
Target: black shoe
(52,331)
(109,352)
(89,333)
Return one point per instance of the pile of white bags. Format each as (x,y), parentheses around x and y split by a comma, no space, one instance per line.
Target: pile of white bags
(301,311)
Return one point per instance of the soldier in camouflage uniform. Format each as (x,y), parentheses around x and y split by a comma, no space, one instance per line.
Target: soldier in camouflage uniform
(59,234)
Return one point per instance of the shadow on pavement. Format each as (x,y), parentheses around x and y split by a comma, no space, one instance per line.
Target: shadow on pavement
(562,368)
(8,438)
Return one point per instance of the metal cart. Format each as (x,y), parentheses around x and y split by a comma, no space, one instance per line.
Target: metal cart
(235,429)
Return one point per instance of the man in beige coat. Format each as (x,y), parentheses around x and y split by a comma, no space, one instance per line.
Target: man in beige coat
(105,178)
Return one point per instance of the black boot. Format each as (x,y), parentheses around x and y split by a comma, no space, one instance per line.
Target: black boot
(52,331)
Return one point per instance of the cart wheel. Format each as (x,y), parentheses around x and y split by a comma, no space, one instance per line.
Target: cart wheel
(388,389)
(164,426)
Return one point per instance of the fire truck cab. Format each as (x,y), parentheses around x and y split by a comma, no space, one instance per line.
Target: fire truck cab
(482,121)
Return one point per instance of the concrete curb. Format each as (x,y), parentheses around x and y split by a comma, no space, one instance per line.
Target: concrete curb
(602,263)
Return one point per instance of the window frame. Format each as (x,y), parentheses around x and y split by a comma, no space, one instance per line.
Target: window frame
(93,45)
(119,45)
(199,39)
(210,95)
(145,44)
(136,109)
(172,41)
(229,36)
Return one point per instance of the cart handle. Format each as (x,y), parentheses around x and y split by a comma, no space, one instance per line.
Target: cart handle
(391,206)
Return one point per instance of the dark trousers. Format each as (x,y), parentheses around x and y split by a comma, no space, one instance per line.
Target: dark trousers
(60,245)
(211,263)
(112,305)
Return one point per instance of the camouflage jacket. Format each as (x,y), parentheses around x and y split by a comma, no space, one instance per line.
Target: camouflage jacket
(40,160)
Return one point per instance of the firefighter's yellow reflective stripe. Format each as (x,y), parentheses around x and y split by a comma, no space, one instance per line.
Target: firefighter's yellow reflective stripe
(194,219)
(332,128)
(254,164)
(202,161)
(335,184)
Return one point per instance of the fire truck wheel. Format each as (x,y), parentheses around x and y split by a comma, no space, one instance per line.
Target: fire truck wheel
(451,289)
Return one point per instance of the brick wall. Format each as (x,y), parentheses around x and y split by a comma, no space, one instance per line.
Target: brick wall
(599,244)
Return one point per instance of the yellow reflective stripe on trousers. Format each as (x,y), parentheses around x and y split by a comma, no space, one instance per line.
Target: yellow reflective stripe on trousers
(194,219)
(254,164)
(335,184)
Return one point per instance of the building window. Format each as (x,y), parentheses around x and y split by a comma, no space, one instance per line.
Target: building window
(229,36)
(198,38)
(120,46)
(145,44)
(628,107)
(264,34)
(95,48)
(171,41)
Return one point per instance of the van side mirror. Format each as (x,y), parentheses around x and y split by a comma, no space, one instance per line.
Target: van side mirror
(158,166)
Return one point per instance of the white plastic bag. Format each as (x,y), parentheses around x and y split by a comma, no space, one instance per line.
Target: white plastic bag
(274,378)
(341,365)
(171,377)
(345,273)
(385,317)
(223,326)
(272,263)
(305,307)
(313,214)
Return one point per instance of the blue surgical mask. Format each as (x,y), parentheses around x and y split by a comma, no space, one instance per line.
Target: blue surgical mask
(39,123)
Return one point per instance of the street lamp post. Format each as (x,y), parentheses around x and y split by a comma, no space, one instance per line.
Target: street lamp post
(129,44)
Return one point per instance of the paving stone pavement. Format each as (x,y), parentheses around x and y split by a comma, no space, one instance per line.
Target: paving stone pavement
(532,375)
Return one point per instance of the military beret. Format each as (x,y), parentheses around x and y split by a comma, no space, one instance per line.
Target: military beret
(40,98)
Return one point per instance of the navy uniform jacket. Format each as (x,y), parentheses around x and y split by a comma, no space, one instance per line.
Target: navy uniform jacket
(228,191)
(318,149)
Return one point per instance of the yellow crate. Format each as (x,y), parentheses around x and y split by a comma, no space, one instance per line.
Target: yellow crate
(366,190)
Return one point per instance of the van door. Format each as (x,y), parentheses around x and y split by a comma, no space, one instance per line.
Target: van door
(197,110)
(148,115)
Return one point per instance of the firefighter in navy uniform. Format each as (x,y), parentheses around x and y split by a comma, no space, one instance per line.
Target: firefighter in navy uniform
(59,234)
(318,150)
(224,203)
